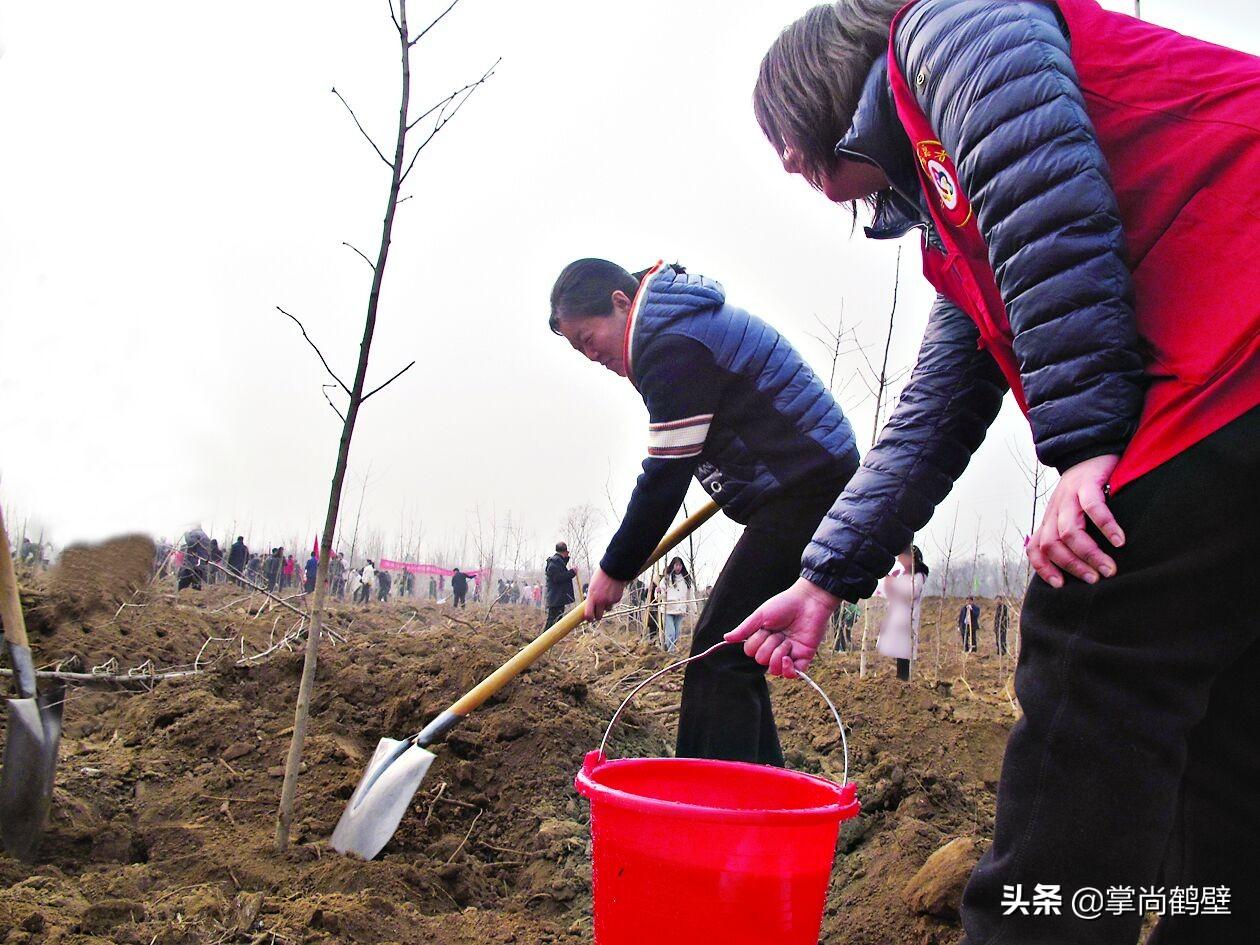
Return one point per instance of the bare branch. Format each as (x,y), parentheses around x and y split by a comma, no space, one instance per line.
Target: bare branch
(402,200)
(361,255)
(322,360)
(420,35)
(387,383)
(443,117)
(869,365)
(821,341)
(361,129)
(394,16)
(324,390)
(448,99)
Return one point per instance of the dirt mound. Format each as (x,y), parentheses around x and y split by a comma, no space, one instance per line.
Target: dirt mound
(92,579)
(164,809)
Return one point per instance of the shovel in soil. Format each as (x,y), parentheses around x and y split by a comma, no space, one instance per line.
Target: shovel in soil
(397,767)
(32,733)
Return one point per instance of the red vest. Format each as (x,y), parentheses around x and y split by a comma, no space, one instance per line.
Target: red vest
(1178,121)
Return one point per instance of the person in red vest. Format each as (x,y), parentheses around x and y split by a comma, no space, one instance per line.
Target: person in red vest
(1087,187)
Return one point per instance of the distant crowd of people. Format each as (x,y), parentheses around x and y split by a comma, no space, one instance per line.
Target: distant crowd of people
(663,603)
(513,591)
(197,560)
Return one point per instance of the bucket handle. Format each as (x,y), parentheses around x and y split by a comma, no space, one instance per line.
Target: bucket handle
(844,742)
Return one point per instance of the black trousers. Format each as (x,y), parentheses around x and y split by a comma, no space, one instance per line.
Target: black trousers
(556,612)
(189,577)
(725,710)
(460,599)
(999,638)
(1137,761)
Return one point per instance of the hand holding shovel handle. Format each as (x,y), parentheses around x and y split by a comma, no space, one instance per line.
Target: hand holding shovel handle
(436,730)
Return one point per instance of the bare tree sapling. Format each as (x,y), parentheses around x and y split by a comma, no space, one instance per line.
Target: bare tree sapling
(400,168)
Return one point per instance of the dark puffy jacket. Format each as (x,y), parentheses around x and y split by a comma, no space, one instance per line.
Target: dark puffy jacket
(730,401)
(996,80)
(196,548)
(559,581)
(238,555)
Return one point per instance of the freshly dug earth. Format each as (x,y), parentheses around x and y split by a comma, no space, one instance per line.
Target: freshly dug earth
(164,808)
(91,579)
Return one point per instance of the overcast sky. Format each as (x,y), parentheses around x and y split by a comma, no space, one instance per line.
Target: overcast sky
(172,172)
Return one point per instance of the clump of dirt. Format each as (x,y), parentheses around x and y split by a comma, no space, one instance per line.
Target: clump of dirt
(164,807)
(93,579)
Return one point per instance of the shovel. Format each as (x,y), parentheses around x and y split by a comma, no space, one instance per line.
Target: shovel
(33,731)
(397,767)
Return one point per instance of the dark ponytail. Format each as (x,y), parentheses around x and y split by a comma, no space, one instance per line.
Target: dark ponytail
(919,566)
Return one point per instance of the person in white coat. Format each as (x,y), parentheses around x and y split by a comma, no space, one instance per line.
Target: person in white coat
(674,593)
(899,636)
(368,574)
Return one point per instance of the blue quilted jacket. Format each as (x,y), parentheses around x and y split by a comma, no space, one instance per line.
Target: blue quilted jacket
(729,401)
(995,79)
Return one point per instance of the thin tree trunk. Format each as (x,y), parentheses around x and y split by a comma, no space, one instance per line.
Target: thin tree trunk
(940,604)
(284,816)
(883,370)
(866,622)
(881,386)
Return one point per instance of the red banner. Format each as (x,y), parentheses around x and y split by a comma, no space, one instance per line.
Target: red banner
(411,568)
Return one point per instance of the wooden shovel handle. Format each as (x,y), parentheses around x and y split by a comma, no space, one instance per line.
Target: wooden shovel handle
(10,603)
(569,622)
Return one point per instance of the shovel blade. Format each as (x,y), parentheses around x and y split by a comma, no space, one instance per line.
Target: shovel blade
(32,737)
(377,806)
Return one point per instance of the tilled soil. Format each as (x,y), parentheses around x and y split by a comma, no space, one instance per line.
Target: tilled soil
(164,809)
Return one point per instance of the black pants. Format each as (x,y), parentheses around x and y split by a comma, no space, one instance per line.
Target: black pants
(844,635)
(460,599)
(189,577)
(555,612)
(968,633)
(725,709)
(1137,761)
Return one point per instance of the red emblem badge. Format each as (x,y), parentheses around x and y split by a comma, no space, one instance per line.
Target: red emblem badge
(938,169)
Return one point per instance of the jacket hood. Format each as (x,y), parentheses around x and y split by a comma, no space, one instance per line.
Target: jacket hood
(665,294)
(672,294)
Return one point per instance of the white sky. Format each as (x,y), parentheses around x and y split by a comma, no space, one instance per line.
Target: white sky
(172,172)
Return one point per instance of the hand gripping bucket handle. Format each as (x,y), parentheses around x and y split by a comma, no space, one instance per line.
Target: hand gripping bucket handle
(844,742)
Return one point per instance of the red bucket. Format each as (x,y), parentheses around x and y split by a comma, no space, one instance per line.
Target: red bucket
(689,850)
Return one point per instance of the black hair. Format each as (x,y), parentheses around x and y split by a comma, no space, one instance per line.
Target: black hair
(584,289)
(919,566)
(669,571)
